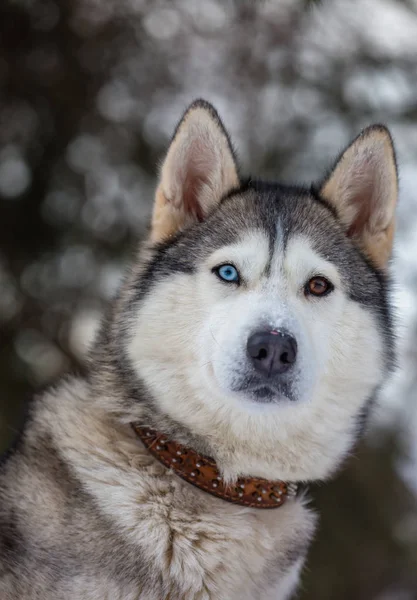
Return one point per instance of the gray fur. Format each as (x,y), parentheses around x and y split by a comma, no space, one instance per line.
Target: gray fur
(87,513)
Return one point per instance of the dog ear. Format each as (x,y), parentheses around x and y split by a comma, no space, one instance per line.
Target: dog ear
(198,170)
(363,189)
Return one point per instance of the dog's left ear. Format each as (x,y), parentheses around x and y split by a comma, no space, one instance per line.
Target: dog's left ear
(198,171)
(363,188)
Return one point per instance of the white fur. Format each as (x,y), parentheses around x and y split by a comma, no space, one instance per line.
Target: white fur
(187,343)
(204,326)
(200,547)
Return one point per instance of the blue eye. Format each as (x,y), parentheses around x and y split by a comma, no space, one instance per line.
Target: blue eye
(227,273)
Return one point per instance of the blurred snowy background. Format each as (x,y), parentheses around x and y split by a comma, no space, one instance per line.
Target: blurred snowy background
(90,91)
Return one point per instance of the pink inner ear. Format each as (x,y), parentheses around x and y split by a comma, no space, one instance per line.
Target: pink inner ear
(197,174)
(363,195)
(192,187)
(363,202)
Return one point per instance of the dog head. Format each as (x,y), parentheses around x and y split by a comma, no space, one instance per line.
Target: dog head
(259,319)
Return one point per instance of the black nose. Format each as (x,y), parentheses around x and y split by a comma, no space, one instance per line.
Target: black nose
(272,352)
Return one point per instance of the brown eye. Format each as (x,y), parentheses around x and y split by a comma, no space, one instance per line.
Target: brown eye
(318,286)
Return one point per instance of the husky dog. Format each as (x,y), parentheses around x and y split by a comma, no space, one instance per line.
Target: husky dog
(255,329)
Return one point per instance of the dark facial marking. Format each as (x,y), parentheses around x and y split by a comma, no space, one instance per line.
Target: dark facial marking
(261,206)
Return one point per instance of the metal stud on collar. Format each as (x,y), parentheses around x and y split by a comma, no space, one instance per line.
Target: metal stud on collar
(202,472)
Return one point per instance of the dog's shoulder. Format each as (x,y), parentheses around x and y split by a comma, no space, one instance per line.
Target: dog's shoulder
(84,507)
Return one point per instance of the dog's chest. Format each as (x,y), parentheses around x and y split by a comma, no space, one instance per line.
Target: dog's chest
(194,546)
(228,553)
(180,543)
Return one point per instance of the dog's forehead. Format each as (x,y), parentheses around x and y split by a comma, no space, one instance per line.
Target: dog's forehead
(285,215)
(276,214)
(274,232)
(280,213)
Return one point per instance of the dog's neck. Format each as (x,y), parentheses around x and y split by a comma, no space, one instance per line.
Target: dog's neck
(202,472)
(125,397)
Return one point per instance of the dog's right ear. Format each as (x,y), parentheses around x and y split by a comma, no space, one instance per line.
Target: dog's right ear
(198,171)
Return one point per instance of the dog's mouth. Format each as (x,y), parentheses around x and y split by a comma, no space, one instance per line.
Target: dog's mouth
(263,394)
(267,393)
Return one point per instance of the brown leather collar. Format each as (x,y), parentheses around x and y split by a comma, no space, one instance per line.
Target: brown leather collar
(202,472)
